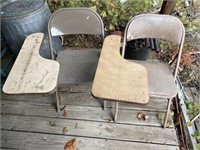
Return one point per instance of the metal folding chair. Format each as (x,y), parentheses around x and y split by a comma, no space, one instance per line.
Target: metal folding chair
(76,66)
(161,80)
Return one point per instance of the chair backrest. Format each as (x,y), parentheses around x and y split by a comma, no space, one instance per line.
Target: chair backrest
(156,26)
(75,21)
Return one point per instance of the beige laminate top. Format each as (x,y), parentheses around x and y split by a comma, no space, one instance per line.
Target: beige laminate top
(117,78)
(32,73)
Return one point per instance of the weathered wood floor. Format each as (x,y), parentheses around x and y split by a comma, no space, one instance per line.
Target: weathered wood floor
(31,122)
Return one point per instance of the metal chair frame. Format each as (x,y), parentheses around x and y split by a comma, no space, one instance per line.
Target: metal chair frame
(160,26)
(69,27)
(155,26)
(71,21)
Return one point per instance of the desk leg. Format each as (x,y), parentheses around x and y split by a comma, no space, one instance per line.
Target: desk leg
(116,111)
(104,105)
(167,113)
(57,100)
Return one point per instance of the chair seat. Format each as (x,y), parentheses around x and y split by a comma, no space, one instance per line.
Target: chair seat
(77,66)
(160,79)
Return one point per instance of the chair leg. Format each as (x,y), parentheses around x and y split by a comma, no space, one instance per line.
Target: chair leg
(57,100)
(104,105)
(116,111)
(167,113)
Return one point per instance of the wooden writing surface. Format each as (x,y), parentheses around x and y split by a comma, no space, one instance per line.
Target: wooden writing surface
(32,73)
(117,78)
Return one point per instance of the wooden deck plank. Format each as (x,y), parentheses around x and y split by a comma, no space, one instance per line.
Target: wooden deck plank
(86,99)
(30,114)
(35,141)
(102,130)
(78,112)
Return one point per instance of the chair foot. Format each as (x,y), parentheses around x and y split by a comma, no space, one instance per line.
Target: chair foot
(104,105)
(57,100)
(167,113)
(116,111)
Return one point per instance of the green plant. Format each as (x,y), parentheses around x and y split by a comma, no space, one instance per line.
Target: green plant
(56,4)
(196,134)
(193,108)
(198,146)
(182,13)
(116,14)
(189,124)
(161,117)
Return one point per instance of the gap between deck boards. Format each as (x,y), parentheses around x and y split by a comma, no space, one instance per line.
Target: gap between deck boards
(33,141)
(85,99)
(100,130)
(27,117)
(87,113)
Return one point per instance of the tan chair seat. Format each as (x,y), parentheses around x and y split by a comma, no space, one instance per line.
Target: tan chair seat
(77,66)
(160,79)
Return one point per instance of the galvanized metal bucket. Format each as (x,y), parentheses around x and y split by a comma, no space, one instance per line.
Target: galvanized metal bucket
(21,18)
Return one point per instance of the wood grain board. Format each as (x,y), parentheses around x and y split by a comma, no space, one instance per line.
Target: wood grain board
(117,78)
(42,141)
(89,113)
(86,99)
(32,73)
(93,129)
(25,124)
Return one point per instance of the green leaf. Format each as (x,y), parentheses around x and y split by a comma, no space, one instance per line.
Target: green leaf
(198,137)
(110,12)
(198,146)
(169,122)
(171,113)
(50,3)
(161,116)
(196,134)
(62,3)
(52,123)
(189,124)
(103,14)
(193,108)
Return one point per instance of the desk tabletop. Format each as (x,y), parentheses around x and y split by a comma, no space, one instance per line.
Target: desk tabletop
(32,73)
(119,79)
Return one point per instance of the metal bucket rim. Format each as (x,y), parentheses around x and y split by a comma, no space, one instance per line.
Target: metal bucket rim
(25,15)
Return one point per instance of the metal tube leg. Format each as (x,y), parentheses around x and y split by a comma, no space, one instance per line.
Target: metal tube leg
(116,111)
(104,105)
(167,113)
(57,100)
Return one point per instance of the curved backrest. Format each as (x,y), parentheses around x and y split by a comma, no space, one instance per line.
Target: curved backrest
(75,21)
(155,26)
